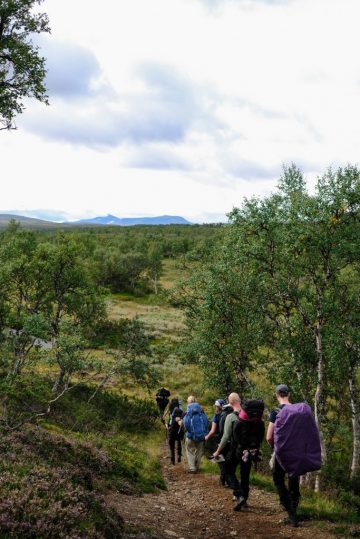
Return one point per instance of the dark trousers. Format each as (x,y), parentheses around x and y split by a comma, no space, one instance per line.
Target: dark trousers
(289,496)
(239,488)
(222,466)
(173,440)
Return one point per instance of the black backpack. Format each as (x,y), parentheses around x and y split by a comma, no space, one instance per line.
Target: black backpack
(162,393)
(173,426)
(249,433)
(254,409)
(227,409)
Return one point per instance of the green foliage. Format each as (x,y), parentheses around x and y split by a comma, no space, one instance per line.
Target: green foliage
(280,298)
(22,69)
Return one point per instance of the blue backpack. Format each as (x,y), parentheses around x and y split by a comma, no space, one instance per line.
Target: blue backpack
(196,423)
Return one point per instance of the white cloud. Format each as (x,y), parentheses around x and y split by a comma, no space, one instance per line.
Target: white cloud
(161,107)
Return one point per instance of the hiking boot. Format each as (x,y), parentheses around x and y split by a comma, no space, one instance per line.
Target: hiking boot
(245,505)
(293,521)
(239,503)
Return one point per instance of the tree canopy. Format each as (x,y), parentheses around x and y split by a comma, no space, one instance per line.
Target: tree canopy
(22,69)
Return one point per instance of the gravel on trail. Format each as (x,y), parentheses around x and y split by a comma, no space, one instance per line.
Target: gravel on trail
(198,507)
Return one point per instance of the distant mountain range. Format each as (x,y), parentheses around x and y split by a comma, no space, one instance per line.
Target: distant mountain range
(99,221)
(130,221)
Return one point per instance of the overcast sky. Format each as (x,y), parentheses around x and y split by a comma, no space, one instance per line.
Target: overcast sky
(183,107)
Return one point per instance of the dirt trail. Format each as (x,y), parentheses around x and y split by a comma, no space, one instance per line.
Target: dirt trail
(196,507)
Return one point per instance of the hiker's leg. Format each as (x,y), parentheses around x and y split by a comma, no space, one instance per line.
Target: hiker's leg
(191,454)
(279,481)
(231,479)
(200,448)
(294,491)
(179,449)
(172,448)
(245,468)
(222,473)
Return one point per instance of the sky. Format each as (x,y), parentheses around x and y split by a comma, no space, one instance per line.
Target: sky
(183,107)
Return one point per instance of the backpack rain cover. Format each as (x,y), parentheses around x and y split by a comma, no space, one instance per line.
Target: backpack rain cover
(297,440)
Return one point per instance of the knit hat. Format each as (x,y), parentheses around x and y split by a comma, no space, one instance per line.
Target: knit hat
(220,403)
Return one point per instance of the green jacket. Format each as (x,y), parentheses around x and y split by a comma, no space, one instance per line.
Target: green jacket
(228,426)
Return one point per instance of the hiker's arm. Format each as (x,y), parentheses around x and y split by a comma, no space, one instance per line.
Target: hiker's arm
(226,436)
(212,431)
(270,434)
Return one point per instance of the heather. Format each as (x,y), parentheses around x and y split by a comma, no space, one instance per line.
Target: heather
(56,472)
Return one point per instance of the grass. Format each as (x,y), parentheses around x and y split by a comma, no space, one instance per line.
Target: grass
(162,321)
(313,505)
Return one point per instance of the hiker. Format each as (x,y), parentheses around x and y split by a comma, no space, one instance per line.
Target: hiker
(162,400)
(215,435)
(243,433)
(294,437)
(175,429)
(196,426)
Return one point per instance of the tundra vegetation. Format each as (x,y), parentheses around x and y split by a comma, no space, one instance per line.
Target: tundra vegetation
(92,319)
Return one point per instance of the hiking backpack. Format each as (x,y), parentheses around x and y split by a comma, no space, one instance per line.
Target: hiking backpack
(249,429)
(162,393)
(174,428)
(254,409)
(227,409)
(196,423)
(297,440)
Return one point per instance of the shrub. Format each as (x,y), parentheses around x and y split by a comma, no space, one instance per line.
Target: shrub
(44,503)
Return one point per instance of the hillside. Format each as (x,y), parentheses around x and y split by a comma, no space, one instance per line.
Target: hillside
(27,222)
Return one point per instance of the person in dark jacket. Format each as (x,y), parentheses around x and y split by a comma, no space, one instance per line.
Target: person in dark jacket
(215,436)
(175,431)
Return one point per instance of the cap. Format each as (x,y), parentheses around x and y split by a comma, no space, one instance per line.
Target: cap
(282,388)
(220,402)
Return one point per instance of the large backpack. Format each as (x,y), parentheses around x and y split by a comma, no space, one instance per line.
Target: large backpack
(249,430)
(227,409)
(174,429)
(162,398)
(254,409)
(162,393)
(196,423)
(297,440)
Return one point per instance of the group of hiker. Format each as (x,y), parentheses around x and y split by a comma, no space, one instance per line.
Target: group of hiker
(235,437)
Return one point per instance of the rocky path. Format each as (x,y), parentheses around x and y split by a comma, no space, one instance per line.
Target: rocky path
(196,507)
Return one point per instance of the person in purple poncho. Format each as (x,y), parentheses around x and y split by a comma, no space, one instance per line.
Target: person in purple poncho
(289,496)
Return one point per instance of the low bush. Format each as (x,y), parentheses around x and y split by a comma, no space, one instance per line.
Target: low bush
(45,504)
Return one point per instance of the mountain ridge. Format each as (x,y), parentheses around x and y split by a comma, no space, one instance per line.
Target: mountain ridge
(131,221)
(108,220)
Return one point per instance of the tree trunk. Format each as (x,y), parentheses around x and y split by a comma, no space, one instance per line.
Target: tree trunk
(155,285)
(17,365)
(59,381)
(319,397)
(354,401)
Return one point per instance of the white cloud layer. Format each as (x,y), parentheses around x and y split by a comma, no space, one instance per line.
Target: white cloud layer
(184,106)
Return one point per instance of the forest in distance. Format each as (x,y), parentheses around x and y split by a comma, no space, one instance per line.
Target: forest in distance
(272,296)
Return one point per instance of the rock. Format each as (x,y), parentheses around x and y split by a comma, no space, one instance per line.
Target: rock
(233,533)
(163,508)
(171,533)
